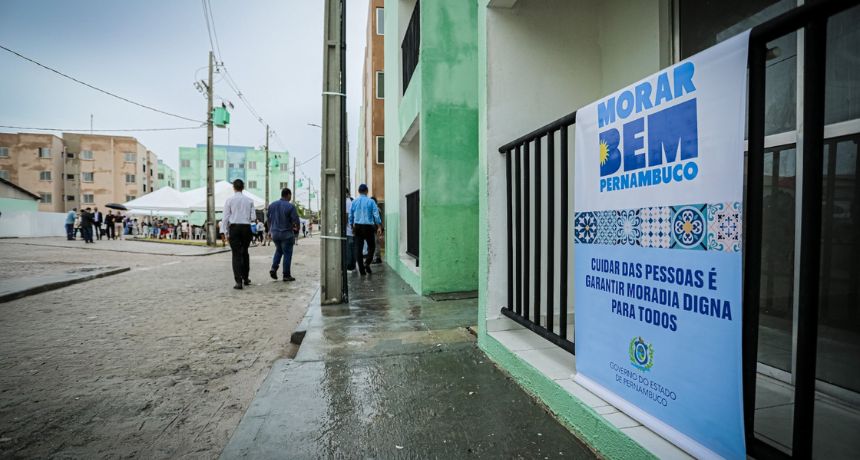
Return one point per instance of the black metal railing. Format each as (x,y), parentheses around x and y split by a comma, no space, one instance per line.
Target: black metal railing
(410,45)
(413,224)
(524,306)
(525,193)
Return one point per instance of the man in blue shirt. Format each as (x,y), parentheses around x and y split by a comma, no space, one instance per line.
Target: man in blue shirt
(70,224)
(283,226)
(365,221)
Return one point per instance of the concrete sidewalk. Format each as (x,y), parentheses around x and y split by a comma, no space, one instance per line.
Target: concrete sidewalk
(394,375)
(129,245)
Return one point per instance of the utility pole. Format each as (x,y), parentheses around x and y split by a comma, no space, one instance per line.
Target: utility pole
(210,155)
(295,192)
(267,167)
(332,215)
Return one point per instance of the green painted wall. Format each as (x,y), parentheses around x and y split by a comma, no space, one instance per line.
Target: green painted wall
(15,205)
(167,176)
(443,93)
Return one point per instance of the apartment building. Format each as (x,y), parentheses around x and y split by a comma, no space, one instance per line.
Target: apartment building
(78,170)
(372,135)
(236,162)
(166,175)
(35,162)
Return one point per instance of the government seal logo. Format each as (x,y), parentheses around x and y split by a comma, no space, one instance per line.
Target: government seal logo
(641,354)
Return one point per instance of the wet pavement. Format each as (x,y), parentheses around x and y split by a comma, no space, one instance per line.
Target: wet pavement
(12,288)
(395,375)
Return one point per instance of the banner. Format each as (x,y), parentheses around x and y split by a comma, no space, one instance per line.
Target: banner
(659,171)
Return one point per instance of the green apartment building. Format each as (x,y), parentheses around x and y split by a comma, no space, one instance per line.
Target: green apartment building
(235,162)
(166,175)
(431,125)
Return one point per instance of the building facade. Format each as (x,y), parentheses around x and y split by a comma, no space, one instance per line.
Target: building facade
(78,170)
(373,104)
(166,176)
(35,163)
(431,126)
(236,162)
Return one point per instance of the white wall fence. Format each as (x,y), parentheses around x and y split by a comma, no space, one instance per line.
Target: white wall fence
(28,224)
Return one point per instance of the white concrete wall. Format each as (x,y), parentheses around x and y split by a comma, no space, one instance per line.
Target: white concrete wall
(546,59)
(28,224)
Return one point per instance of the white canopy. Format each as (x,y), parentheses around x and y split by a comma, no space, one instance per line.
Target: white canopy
(154,213)
(196,199)
(163,199)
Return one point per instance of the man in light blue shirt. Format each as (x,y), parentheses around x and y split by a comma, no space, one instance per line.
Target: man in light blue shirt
(70,224)
(365,222)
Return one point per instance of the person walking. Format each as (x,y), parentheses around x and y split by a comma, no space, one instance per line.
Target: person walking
(87,224)
(70,224)
(365,221)
(350,238)
(98,219)
(236,223)
(118,226)
(109,219)
(283,221)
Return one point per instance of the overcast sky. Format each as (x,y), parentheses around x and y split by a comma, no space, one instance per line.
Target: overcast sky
(152,52)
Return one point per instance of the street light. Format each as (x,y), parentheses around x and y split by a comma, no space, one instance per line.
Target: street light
(315,125)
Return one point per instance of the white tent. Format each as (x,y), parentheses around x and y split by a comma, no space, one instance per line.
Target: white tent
(155,213)
(161,200)
(196,199)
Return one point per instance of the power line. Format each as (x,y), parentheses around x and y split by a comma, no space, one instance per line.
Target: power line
(208,29)
(214,29)
(96,88)
(101,130)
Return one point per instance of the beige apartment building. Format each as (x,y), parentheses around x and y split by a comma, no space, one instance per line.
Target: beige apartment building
(373,103)
(35,162)
(78,170)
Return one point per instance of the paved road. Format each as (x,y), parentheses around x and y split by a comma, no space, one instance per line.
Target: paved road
(160,361)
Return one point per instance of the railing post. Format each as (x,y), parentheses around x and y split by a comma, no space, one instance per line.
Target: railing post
(565,240)
(538,231)
(550,230)
(526,229)
(508,205)
(518,197)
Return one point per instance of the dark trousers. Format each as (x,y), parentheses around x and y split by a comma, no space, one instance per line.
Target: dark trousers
(283,250)
(109,231)
(364,234)
(98,229)
(240,239)
(70,231)
(87,233)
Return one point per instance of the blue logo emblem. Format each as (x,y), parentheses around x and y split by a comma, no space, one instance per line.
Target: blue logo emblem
(641,354)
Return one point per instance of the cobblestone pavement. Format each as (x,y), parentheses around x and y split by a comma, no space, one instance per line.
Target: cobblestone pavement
(125,245)
(160,361)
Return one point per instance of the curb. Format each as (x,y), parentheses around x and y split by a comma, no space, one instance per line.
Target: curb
(298,335)
(59,284)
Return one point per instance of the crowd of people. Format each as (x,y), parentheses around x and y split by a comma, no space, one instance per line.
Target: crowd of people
(91,225)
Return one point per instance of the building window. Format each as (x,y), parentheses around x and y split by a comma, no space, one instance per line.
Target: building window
(380,21)
(87,176)
(4,174)
(252,165)
(285,185)
(4,152)
(70,177)
(144,188)
(130,157)
(86,154)
(70,198)
(47,198)
(44,152)
(185,163)
(144,168)
(45,175)
(380,150)
(252,184)
(185,183)
(160,176)
(285,167)
(380,85)
(219,163)
(129,197)
(88,198)
(130,179)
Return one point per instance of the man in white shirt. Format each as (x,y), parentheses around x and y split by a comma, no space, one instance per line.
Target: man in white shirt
(236,223)
(350,241)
